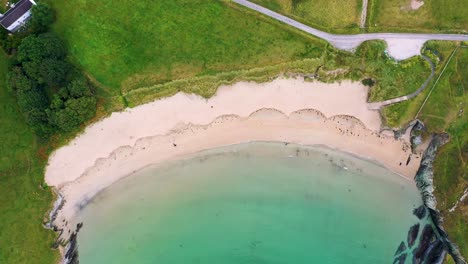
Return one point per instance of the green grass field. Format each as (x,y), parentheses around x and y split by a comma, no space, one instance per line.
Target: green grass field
(444,111)
(136,44)
(433,16)
(338,16)
(23,203)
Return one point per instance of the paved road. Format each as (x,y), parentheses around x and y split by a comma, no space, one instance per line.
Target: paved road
(379,105)
(349,42)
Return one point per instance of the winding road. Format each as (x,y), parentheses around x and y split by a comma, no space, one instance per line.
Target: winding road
(400,45)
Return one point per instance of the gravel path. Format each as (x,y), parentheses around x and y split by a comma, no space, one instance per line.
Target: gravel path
(364,13)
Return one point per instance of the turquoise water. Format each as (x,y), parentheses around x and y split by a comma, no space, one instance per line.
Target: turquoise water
(252,203)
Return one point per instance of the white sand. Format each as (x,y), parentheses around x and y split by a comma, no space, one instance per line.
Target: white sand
(281,110)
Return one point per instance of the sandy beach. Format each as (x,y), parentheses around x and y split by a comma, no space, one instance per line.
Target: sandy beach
(284,110)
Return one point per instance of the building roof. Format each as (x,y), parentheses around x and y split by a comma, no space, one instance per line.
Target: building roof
(15,13)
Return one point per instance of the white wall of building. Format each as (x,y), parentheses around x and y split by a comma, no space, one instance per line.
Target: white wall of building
(20,22)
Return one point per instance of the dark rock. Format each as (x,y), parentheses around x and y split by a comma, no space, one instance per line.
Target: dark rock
(400,259)
(420,212)
(401,248)
(435,254)
(408,160)
(412,235)
(424,181)
(426,238)
(71,255)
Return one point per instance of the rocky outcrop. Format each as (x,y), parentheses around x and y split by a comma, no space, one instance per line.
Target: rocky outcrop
(424,181)
(71,252)
(420,212)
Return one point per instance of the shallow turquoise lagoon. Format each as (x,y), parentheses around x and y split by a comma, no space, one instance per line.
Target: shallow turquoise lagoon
(252,203)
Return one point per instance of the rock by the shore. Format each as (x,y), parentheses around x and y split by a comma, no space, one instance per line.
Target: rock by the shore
(400,260)
(412,235)
(420,212)
(435,253)
(401,248)
(427,237)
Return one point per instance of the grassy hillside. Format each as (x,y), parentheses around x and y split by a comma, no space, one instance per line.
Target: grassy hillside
(136,44)
(444,111)
(434,15)
(339,16)
(23,203)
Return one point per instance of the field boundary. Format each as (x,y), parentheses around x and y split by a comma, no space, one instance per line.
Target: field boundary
(435,83)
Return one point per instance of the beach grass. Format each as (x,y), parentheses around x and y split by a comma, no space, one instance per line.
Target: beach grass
(392,78)
(161,41)
(434,16)
(332,16)
(23,202)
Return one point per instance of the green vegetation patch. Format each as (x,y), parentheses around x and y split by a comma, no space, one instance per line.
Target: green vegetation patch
(206,86)
(23,202)
(444,111)
(134,44)
(390,78)
(339,16)
(433,15)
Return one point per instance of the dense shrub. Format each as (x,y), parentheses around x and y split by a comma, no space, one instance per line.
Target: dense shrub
(31,99)
(42,18)
(52,94)
(72,106)
(368,82)
(36,48)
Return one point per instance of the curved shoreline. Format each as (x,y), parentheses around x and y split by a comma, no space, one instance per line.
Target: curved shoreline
(285,110)
(242,99)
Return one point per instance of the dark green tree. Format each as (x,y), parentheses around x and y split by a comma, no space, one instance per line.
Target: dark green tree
(53,72)
(42,18)
(37,48)
(72,106)
(72,113)
(31,99)
(43,59)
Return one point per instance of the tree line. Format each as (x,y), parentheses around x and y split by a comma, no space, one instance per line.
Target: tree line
(53,95)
